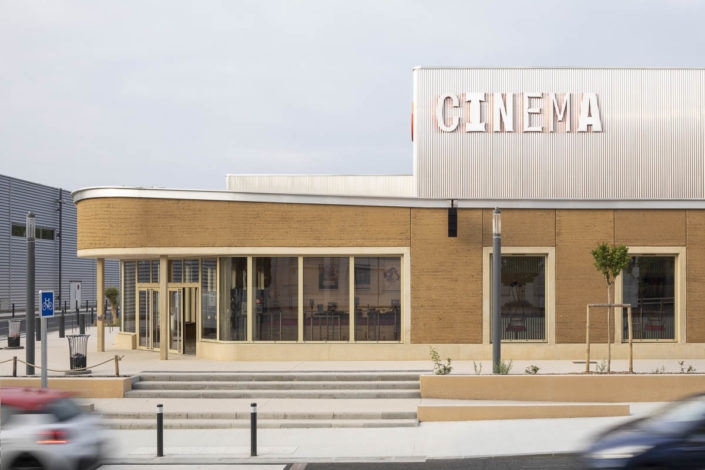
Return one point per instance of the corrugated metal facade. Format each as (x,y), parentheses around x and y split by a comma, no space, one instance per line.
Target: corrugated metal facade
(341,185)
(18,197)
(651,146)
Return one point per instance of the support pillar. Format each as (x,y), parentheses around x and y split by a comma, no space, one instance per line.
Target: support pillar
(100,307)
(163,308)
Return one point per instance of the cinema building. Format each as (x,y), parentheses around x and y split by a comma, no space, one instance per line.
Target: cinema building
(365,267)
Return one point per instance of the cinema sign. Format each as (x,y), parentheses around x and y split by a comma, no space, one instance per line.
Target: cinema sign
(539,112)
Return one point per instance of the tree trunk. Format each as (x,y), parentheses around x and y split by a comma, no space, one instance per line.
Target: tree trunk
(609,339)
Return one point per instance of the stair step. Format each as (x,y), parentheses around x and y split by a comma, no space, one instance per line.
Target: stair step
(269,385)
(245,415)
(229,423)
(346,393)
(264,377)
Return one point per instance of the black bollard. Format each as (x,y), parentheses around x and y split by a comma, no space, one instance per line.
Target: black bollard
(62,325)
(160,430)
(38,329)
(253,430)
(82,324)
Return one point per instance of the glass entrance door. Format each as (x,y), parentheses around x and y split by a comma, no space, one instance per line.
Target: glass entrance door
(148,318)
(176,320)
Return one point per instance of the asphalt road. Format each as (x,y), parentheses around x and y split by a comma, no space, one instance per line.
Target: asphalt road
(534,462)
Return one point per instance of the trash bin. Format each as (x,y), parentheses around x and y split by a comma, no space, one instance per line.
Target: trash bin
(78,350)
(13,334)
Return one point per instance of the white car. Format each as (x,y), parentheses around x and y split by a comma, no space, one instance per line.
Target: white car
(46,429)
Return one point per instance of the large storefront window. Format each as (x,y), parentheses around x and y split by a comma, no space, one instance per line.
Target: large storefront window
(377,299)
(326,299)
(233,299)
(209,299)
(523,297)
(649,286)
(128,307)
(276,309)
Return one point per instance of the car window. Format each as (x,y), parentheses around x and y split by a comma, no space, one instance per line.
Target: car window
(676,417)
(6,413)
(63,409)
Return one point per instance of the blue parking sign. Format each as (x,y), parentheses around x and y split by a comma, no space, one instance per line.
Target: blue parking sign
(47,303)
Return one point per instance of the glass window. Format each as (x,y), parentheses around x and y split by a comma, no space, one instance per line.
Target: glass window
(143,271)
(326,299)
(155,270)
(175,270)
(191,270)
(276,299)
(18,230)
(377,299)
(129,297)
(649,286)
(209,299)
(233,299)
(523,297)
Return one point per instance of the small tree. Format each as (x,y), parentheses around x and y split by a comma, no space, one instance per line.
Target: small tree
(113,296)
(610,262)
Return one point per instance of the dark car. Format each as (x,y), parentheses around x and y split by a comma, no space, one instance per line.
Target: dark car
(672,437)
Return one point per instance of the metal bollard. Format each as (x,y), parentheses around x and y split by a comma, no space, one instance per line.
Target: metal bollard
(82,324)
(38,329)
(160,430)
(62,325)
(14,366)
(253,429)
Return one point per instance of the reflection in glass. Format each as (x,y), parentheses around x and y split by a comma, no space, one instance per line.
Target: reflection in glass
(523,297)
(143,271)
(377,298)
(175,270)
(128,310)
(233,299)
(326,299)
(175,320)
(276,299)
(190,270)
(209,293)
(649,286)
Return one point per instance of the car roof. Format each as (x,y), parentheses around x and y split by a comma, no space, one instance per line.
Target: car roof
(29,399)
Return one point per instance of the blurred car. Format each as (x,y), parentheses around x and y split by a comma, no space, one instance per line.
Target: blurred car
(47,429)
(671,437)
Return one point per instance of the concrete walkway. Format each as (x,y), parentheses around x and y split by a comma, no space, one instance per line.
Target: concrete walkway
(428,440)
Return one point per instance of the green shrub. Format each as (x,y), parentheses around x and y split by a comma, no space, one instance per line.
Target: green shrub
(438,367)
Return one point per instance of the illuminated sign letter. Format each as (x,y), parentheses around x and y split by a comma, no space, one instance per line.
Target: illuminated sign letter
(589,114)
(474,125)
(440,113)
(560,113)
(528,111)
(503,112)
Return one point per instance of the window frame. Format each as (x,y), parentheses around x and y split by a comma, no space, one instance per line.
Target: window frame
(549,252)
(679,309)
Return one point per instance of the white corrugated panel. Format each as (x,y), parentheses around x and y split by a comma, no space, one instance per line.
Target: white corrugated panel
(339,185)
(651,146)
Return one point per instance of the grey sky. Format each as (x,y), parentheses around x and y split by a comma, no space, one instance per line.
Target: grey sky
(177,94)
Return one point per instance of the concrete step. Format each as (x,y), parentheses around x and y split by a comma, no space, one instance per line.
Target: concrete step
(230,423)
(267,415)
(345,393)
(269,385)
(278,377)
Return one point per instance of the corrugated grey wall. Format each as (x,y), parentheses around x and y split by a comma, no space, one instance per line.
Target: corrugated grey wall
(17,198)
(651,146)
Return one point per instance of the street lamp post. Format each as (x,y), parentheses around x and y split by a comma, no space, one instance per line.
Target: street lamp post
(30,228)
(496,290)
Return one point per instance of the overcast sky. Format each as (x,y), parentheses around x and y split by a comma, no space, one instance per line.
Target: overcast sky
(180,93)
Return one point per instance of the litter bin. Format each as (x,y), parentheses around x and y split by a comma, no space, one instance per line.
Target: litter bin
(78,350)
(13,334)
